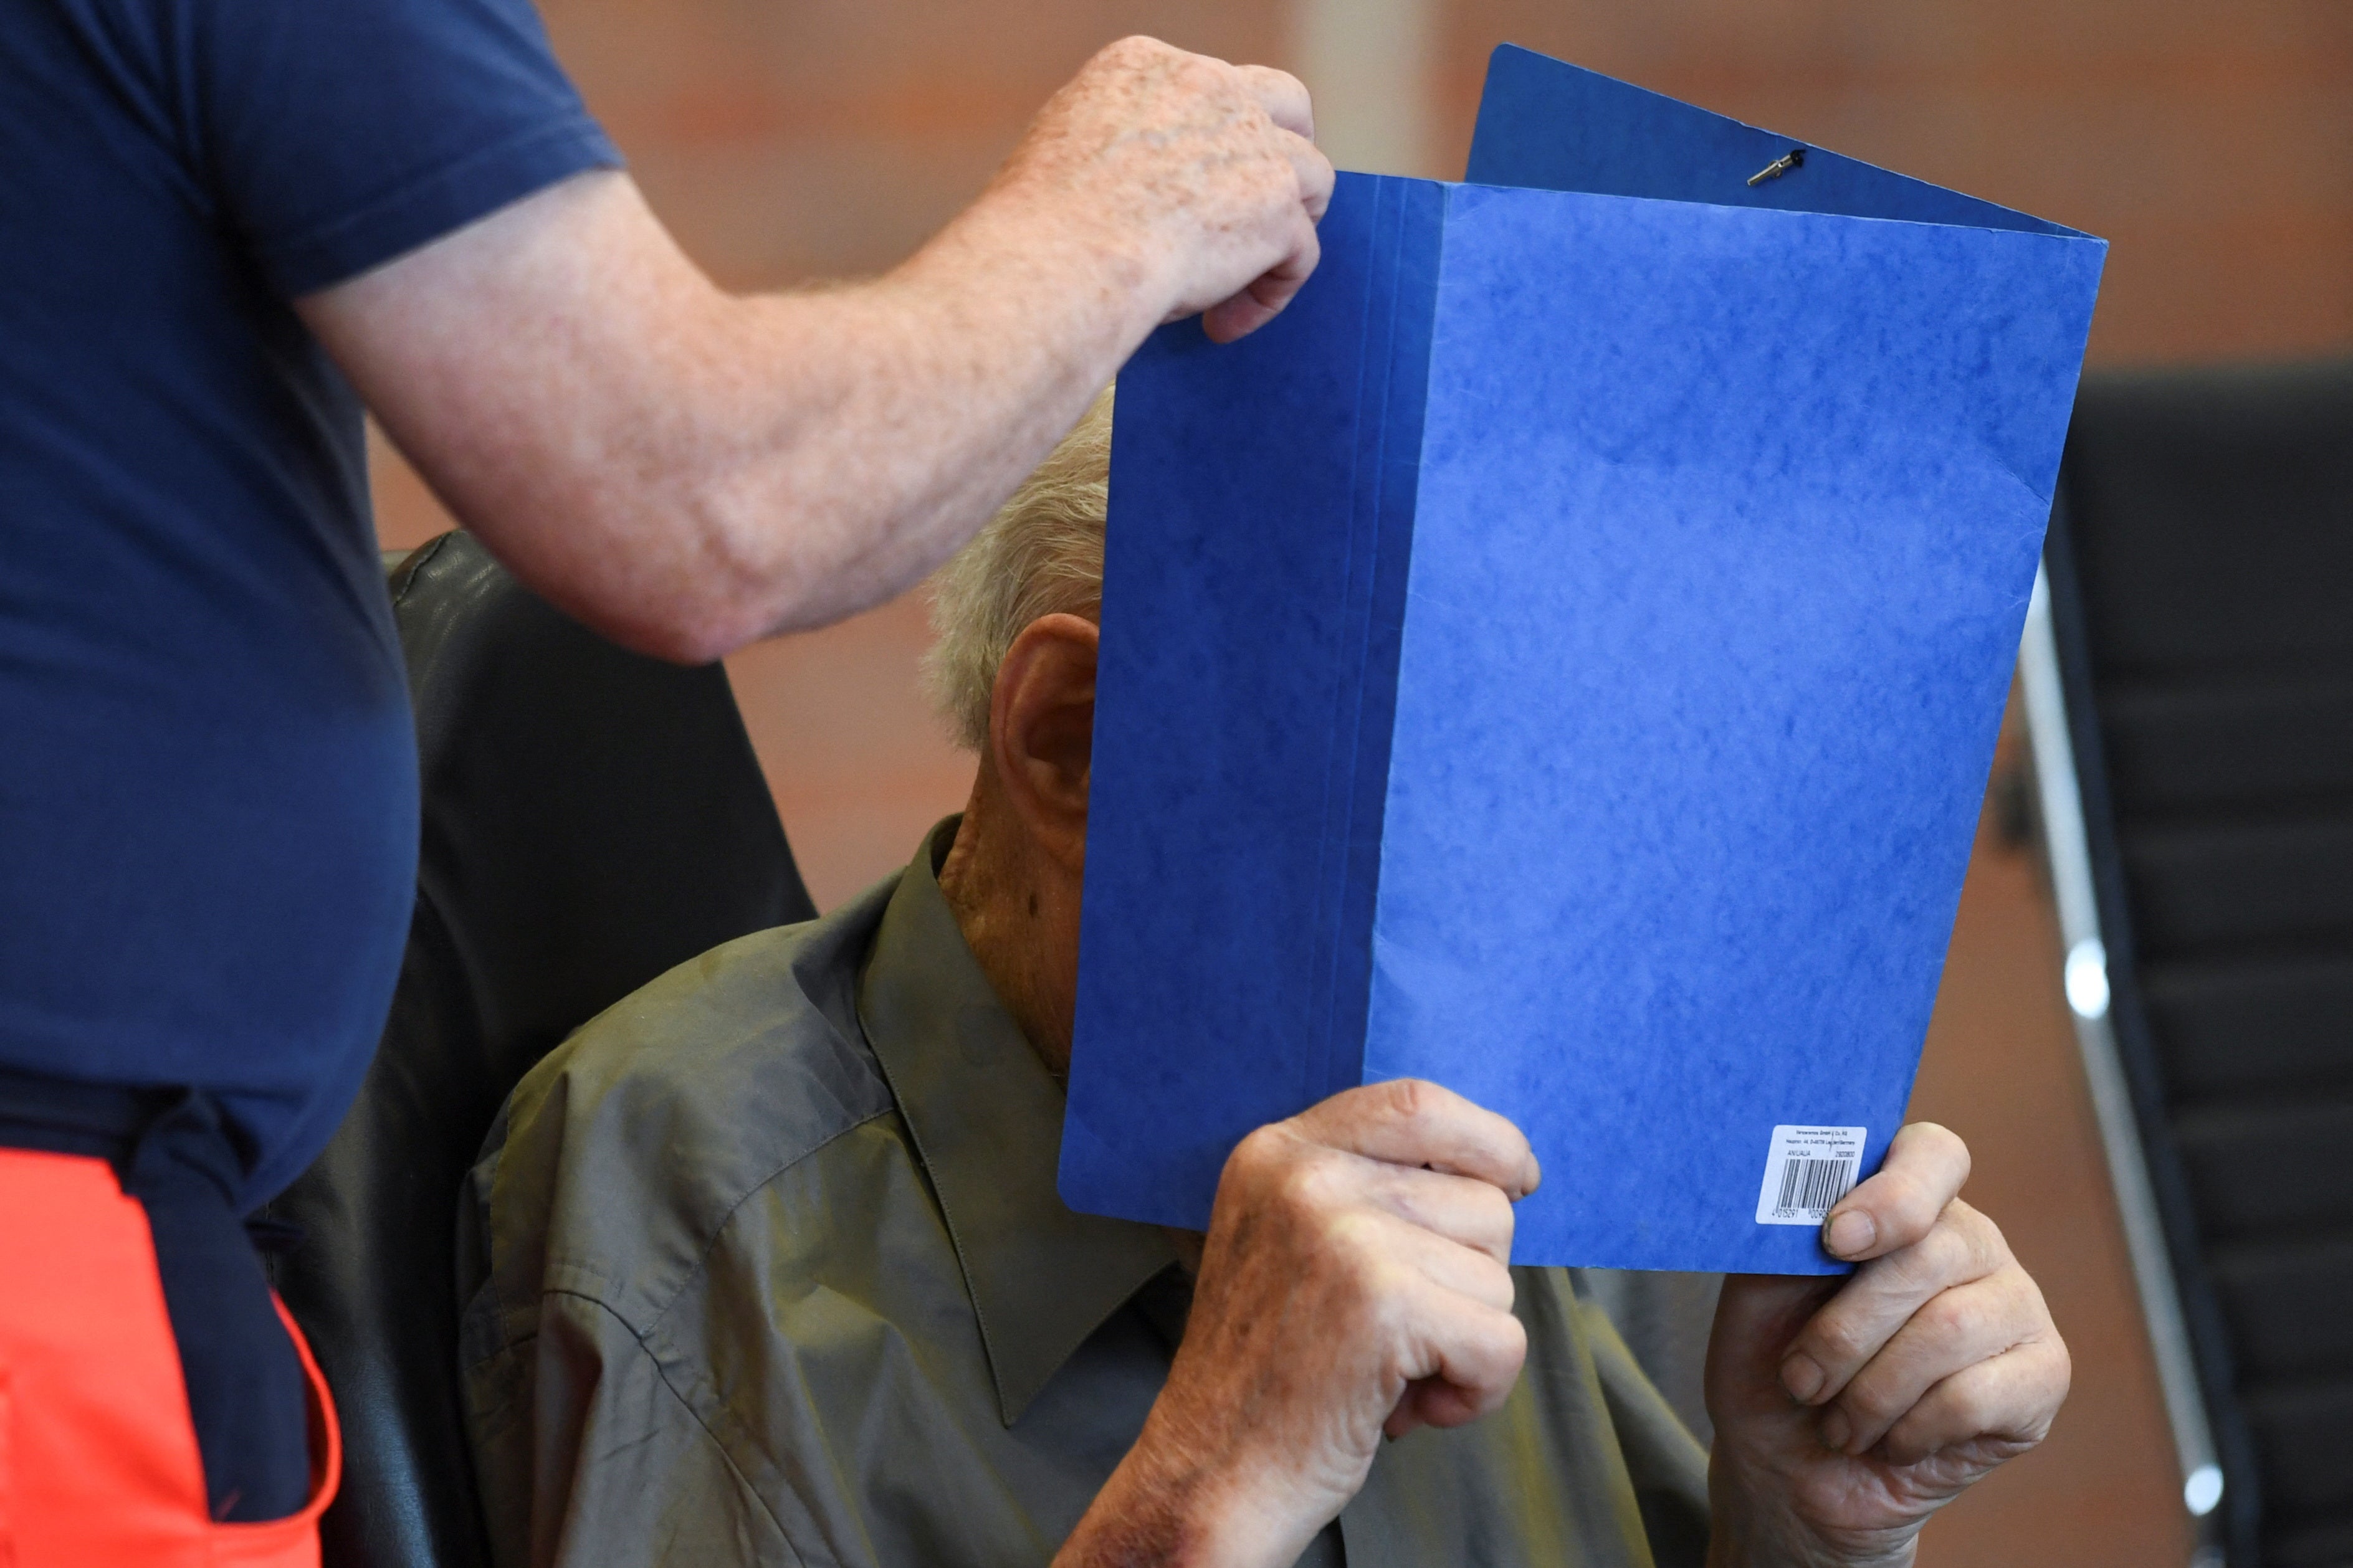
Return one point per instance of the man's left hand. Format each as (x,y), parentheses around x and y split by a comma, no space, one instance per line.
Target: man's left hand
(1847,1411)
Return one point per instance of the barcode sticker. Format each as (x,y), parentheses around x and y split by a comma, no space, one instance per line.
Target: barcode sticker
(1806,1169)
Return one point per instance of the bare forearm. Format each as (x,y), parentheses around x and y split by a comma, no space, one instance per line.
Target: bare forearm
(1184,1496)
(1139,1520)
(830,447)
(894,415)
(688,470)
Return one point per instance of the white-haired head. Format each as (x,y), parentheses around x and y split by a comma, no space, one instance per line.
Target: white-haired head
(1041,554)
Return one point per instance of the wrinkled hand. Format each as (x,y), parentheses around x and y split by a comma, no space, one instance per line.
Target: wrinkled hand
(1847,1412)
(1204,176)
(1353,1282)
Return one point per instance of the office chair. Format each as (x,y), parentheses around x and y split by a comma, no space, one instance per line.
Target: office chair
(591,818)
(2189,675)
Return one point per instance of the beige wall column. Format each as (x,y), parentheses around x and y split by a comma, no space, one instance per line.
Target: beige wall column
(1369,64)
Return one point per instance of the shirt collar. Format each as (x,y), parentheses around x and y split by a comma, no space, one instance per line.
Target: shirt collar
(986,1120)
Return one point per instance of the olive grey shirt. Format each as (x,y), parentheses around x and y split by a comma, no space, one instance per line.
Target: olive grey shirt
(765,1264)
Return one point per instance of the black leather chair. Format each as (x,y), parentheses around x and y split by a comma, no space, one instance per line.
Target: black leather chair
(2200,629)
(591,818)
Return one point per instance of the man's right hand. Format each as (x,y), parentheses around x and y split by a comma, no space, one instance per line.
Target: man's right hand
(1205,175)
(1354,1283)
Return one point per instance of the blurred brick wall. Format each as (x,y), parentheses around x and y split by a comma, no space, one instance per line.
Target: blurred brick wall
(2212,144)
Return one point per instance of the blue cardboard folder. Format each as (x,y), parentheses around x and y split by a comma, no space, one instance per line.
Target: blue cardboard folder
(1560,657)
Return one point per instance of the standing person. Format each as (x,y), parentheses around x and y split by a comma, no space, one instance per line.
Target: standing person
(224,228)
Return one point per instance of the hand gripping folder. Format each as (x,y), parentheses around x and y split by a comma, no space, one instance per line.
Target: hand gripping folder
(1560,657)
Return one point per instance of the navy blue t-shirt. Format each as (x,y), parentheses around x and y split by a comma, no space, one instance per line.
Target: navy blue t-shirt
(208,768)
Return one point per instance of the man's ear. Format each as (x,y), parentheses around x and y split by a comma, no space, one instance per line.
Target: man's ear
(1041,729)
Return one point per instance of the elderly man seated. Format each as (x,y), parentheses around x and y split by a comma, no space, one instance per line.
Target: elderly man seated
(765,1264)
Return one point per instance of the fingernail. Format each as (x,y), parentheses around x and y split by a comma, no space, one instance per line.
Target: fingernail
(1836,1429)
(1851,1233)
(1803,1376)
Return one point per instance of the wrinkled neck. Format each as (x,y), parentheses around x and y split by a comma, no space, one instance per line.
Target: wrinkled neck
(1019,913)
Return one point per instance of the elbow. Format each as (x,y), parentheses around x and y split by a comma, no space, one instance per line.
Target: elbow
(620,610)
(711,583)
(750,563)
(708,635)
(679,643)
(691,617)
(655,591)
(683,571)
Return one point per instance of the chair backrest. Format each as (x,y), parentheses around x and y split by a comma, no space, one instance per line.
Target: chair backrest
(591,818)
(2201,584)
